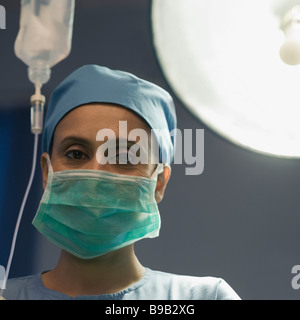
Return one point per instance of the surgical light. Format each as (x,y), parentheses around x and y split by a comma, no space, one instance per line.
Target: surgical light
(290,50)
(230,62)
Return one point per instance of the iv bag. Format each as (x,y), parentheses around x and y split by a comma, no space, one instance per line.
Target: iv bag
(45,35)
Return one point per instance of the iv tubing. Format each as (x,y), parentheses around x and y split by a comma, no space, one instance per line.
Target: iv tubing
(13,245)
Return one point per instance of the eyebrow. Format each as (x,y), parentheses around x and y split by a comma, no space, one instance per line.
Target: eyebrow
(87,142)
(75,139)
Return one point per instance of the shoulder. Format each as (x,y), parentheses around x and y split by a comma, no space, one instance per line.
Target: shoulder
(184,287)
(22,288)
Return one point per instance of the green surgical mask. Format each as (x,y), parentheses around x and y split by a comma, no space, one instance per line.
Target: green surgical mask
(91,212)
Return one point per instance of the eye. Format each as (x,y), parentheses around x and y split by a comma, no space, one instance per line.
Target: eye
(76,155)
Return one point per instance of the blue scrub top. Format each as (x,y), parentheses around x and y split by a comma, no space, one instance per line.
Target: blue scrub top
(154,285)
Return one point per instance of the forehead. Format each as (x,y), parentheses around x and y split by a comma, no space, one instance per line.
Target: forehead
(89,119)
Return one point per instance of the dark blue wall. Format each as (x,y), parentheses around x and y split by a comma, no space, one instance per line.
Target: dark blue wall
(16,143)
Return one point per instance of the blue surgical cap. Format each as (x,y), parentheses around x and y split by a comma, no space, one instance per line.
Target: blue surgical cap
(92,83)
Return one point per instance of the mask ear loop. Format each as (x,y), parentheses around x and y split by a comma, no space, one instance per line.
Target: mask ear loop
(47,191)
(49,180)
(159,169)
(50,169)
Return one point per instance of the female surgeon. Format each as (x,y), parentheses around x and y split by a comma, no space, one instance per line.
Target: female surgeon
(97,203)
